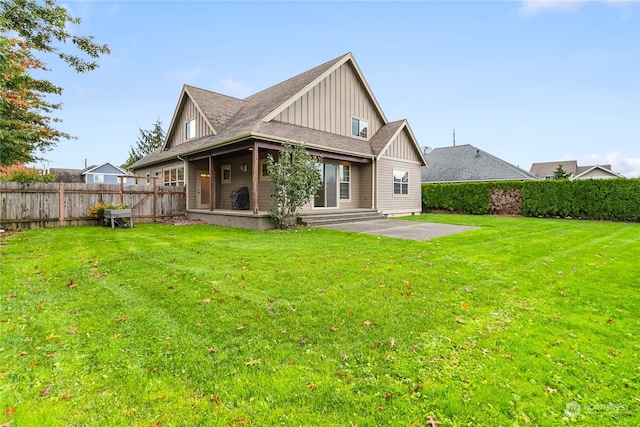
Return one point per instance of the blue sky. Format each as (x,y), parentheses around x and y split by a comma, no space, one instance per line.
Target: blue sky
(527,81)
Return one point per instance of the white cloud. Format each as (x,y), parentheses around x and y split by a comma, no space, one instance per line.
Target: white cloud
(624,165)
(235,88)
(533,7)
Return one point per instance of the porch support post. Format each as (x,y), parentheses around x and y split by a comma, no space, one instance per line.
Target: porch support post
(212,184)
(373,184)
(254,177)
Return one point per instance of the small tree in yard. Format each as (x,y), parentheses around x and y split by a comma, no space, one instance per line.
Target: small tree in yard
(295,180)
(560,173)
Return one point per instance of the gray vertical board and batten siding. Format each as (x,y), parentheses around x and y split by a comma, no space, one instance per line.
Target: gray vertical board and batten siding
(331,105)
(188,112)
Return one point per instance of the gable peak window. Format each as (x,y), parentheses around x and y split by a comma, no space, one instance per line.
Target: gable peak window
(190,129)
(359,128)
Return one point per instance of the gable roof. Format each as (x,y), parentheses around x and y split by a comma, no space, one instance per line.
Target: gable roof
(466,163)
(547,169)
(233,119)
(586,170)
(326,69)
(387,133)
(94,168)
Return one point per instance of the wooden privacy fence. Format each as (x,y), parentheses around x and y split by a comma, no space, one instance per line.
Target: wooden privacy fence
(37,205)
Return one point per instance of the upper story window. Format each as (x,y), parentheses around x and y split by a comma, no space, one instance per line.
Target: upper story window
(359,128)
(190,129)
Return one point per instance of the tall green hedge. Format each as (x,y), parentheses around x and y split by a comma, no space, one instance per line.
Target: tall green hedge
(601,199)
(610,199)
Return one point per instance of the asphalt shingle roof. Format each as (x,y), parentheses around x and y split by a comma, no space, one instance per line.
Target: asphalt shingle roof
(234,119)
(466,163)
(546,169)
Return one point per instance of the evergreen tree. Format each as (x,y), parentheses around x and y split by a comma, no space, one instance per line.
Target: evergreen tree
(560,173)
(148,140)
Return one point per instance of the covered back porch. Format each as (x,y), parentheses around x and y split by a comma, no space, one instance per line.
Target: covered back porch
(212,178)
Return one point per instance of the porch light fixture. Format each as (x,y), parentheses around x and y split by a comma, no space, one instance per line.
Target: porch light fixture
(243,167)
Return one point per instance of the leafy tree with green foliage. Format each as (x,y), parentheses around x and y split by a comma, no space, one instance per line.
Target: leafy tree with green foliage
(295,179)
(148,141)
(560,173)
(27,27)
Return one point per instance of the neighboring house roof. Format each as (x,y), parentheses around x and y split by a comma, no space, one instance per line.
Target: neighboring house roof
(70,175)
(585,172)
(548,169)
(105,168)
(232,119)
(466,163)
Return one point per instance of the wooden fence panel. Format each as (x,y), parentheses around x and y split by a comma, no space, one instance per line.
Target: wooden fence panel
(37,205)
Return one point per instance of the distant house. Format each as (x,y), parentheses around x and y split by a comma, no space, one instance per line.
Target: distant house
(105,173)
(71,176)
(547,170)
(217,145)
(466,163)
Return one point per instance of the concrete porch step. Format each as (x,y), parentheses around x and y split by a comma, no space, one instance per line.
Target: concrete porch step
(337,217)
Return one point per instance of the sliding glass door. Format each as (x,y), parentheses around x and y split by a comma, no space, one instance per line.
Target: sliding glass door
(327,194)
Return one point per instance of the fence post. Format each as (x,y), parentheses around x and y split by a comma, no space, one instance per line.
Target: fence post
(155,195)
(61,210)
(121,190)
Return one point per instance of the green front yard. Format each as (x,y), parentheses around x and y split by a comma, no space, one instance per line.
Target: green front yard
(199,325)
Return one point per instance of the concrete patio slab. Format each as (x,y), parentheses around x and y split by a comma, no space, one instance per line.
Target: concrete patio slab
(401,229)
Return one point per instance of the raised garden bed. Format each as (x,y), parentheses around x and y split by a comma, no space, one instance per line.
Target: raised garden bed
(118,218)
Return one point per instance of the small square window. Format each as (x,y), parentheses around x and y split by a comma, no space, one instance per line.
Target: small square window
(98,177)
(359,128)
(226,174)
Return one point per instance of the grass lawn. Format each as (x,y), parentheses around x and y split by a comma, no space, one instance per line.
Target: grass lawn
(164,325)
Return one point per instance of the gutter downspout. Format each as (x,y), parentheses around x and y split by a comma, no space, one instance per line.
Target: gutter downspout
(186,174)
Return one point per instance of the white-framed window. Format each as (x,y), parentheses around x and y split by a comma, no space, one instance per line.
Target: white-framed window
(174,177)
(344,175)
(225,174)
(359,127)
(264,173)
(400,183)
(98,177)
(190,129)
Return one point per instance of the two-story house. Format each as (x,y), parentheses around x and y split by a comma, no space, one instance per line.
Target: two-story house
(217,144)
